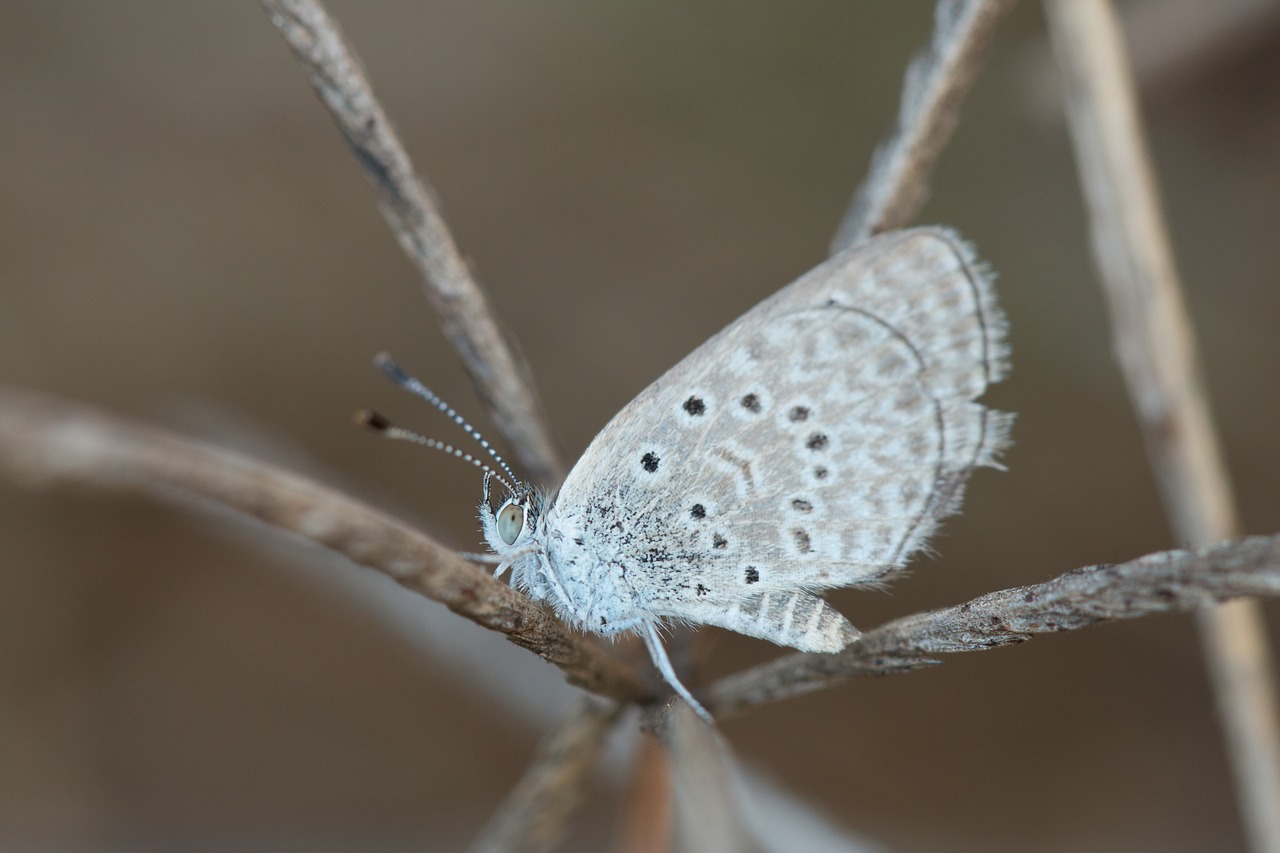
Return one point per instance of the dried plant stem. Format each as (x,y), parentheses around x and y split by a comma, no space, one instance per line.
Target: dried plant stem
(1157,353)
(647,820)
(704,783)
(44,441)
(1156,583)
(937,80)
(535,815)
(503,379)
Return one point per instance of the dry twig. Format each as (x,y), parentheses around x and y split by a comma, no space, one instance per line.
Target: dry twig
(1156,583)
(503,379)
(704,784)
(1157,352)
(535,815)
(45,441)
(936,82)
(647,818)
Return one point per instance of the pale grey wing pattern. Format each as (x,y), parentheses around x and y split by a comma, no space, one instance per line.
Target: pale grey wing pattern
(813,443)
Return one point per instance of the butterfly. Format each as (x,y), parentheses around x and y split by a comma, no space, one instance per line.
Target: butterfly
(814,443)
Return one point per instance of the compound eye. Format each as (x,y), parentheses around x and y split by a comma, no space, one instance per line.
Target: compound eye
(510,523)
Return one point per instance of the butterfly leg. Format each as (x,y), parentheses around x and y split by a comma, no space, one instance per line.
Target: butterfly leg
(500,568)
(659,654)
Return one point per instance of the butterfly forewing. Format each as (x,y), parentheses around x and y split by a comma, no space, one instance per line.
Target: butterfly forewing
(813,443)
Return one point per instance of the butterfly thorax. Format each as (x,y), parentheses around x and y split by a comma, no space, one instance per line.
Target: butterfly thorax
(592,570)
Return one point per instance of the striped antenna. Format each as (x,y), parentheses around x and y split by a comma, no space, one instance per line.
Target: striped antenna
(380,424)
(394,372)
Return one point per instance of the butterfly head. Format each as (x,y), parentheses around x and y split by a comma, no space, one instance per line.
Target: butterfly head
(513,525)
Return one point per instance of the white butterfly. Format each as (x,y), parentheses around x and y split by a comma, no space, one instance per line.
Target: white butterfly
(813,443)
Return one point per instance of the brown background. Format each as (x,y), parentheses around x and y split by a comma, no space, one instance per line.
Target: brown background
(185,239)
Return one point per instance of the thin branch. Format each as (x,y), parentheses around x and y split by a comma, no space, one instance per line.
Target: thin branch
(1156,583)
(408,203)
(535,815)
(646,822)
(1157,351)
(1154,340)
(45,441)
(936,83)
(704,783)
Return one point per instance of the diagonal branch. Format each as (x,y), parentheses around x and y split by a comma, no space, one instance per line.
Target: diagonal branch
(1156,347)
(408,203)
(937,80)
(45,441)
(1156,583)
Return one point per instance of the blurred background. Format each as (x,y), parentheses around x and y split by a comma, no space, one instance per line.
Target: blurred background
(186,240)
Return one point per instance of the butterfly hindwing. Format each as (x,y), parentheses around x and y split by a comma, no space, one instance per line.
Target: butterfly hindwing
(814,443)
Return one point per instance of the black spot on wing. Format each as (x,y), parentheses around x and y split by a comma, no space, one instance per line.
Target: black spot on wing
(649,462)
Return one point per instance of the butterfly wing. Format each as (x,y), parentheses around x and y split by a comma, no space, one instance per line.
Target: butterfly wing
(813,443)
